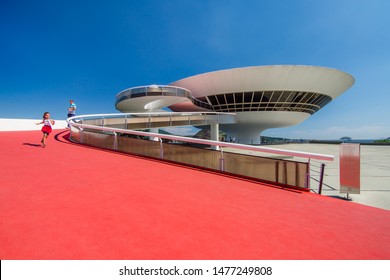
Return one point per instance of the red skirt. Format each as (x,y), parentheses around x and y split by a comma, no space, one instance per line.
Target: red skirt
(46,129)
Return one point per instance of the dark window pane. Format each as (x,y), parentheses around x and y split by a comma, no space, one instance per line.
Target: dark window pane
(257,96)
(266,96)
(248,97)
(275,96)
(229,98)
(213,100)
(221,99)
(238,97)
(297,97)
(138,94)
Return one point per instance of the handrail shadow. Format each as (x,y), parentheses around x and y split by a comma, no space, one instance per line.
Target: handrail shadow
(63,137)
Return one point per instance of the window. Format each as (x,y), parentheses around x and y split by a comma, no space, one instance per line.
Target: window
(248,97)
(238,97)
(221,99)
(257,96)
(309,102)
(213,100)
(229,98)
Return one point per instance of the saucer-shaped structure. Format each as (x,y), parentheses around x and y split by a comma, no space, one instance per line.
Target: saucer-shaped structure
(261,96)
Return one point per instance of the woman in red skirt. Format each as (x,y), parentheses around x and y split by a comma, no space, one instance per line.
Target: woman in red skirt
(46,128)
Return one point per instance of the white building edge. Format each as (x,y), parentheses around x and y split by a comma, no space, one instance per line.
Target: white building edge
(262,97)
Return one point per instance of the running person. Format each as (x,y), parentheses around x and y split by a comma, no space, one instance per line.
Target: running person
(46,128)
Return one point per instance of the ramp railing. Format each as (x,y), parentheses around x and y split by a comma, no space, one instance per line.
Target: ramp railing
(111,131)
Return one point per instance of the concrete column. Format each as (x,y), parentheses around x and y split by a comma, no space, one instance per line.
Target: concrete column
(214,134)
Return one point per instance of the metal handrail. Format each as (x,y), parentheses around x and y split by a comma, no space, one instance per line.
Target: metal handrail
(164,91)
(154,114)
(194,140)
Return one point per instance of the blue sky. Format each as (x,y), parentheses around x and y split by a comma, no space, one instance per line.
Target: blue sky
(52,51)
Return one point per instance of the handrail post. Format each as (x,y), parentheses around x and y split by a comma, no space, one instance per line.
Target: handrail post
(161,149)
(307,181)
(221,161)
(321,178)
(284,172)
(115,141)
(81,135)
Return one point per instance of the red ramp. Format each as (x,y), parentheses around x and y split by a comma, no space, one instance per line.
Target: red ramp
(68,201)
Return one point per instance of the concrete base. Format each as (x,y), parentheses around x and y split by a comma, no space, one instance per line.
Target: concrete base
(249,125)
(243,134)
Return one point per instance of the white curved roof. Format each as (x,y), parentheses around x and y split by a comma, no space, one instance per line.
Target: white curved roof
(317,79)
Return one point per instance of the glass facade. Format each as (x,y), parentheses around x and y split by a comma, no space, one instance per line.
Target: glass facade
(293,101)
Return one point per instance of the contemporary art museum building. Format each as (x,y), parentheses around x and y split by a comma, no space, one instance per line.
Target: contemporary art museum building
(262,97)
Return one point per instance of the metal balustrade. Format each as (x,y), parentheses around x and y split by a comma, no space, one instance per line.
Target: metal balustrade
(118,132)
(155,120)
(159,90)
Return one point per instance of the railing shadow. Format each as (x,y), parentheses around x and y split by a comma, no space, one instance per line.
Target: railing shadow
(63,137)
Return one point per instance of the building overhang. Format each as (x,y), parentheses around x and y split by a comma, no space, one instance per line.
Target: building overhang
(328,81)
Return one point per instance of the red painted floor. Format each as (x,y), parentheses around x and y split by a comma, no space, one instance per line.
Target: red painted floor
(67,201)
